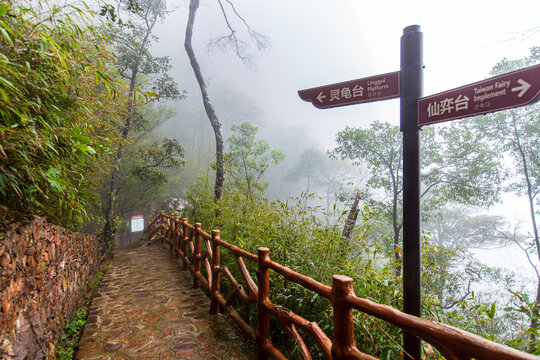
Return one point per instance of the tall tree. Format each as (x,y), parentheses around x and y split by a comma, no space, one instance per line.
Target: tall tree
(248,158)
(229,41)
(516,134)
(455,167)
(133,39)
(309,166)
(321,173)
(457,227)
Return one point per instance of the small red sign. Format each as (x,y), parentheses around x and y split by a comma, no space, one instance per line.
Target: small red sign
(373,88)
(517,88)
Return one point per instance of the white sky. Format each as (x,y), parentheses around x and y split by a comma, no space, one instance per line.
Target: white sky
(318,42)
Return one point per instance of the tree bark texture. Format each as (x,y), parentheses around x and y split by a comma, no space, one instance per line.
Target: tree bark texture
(351,218)
(530,197)
(210,112)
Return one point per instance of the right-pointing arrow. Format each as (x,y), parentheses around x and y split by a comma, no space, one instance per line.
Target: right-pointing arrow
(523,88)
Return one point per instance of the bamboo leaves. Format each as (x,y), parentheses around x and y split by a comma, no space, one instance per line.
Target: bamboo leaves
(56,100)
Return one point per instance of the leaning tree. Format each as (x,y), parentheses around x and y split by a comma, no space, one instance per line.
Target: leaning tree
(230,41)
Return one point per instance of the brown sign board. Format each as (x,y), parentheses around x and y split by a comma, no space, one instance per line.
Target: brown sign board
(511,90)
(373,88)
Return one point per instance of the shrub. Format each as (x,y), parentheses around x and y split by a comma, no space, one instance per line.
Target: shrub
(57,103)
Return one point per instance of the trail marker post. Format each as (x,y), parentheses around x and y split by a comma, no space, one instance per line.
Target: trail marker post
(514,89)
(411,90)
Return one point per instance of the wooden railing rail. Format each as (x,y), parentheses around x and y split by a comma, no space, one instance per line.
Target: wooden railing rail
(200,253)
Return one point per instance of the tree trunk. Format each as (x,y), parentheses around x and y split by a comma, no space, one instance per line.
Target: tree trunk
(214,121)
(535,318)
(109,228)
(350,223)
(530,197)
(397,229)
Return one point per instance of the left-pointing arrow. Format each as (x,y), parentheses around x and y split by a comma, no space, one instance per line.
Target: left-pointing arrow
(321,97)
(523,88)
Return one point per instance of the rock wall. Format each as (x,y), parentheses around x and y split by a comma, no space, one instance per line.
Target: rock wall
(44,270)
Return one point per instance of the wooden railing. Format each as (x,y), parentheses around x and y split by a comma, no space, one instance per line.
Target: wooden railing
(186,242)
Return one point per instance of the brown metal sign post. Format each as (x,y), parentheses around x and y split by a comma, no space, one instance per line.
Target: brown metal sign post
(407,83)
(411,90)
(514,89)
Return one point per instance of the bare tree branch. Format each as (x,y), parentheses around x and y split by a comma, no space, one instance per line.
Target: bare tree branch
(232,42)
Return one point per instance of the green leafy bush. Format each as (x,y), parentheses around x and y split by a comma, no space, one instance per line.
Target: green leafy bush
(57,105)
(299,238)
(302,239)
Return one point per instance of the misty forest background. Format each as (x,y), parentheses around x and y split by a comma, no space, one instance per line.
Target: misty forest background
(96,127)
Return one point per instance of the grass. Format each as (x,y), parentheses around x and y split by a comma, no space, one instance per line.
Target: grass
(73,329)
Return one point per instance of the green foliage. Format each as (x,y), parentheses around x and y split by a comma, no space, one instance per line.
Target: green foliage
(73,329)
(248,159)
(142,160)
(300,239)
(514,134)
(456,167)
(322,174)
(455,227)
(72,333)
(147,164)
(94,284)
(57,102)
(528,340)
(133,38)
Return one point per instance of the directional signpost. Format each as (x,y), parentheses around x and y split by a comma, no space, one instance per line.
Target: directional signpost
(506,91)
(380,87)
(511,90)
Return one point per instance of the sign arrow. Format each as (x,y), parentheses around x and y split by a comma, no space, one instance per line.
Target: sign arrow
(482,97)
(523,88)
(373,88)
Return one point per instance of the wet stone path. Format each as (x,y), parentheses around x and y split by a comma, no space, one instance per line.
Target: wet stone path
(146,309)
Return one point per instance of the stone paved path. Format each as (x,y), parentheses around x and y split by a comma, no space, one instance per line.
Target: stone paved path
(146,309)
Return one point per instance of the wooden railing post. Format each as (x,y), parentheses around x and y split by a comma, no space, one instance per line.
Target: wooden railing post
(196,259)
(214,291)
(263,316)
(343,346)
(175,237)
(162,225)
(185,242)
(149,233)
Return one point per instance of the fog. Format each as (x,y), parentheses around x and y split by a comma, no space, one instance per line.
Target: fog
(319,42)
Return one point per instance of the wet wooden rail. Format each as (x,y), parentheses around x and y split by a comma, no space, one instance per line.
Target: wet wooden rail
(187,243)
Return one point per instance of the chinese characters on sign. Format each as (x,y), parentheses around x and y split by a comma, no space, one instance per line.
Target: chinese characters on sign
(357,91)
(506,91)
(448,105)
(345,93)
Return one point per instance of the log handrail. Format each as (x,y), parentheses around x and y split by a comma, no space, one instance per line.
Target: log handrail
(187,241)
